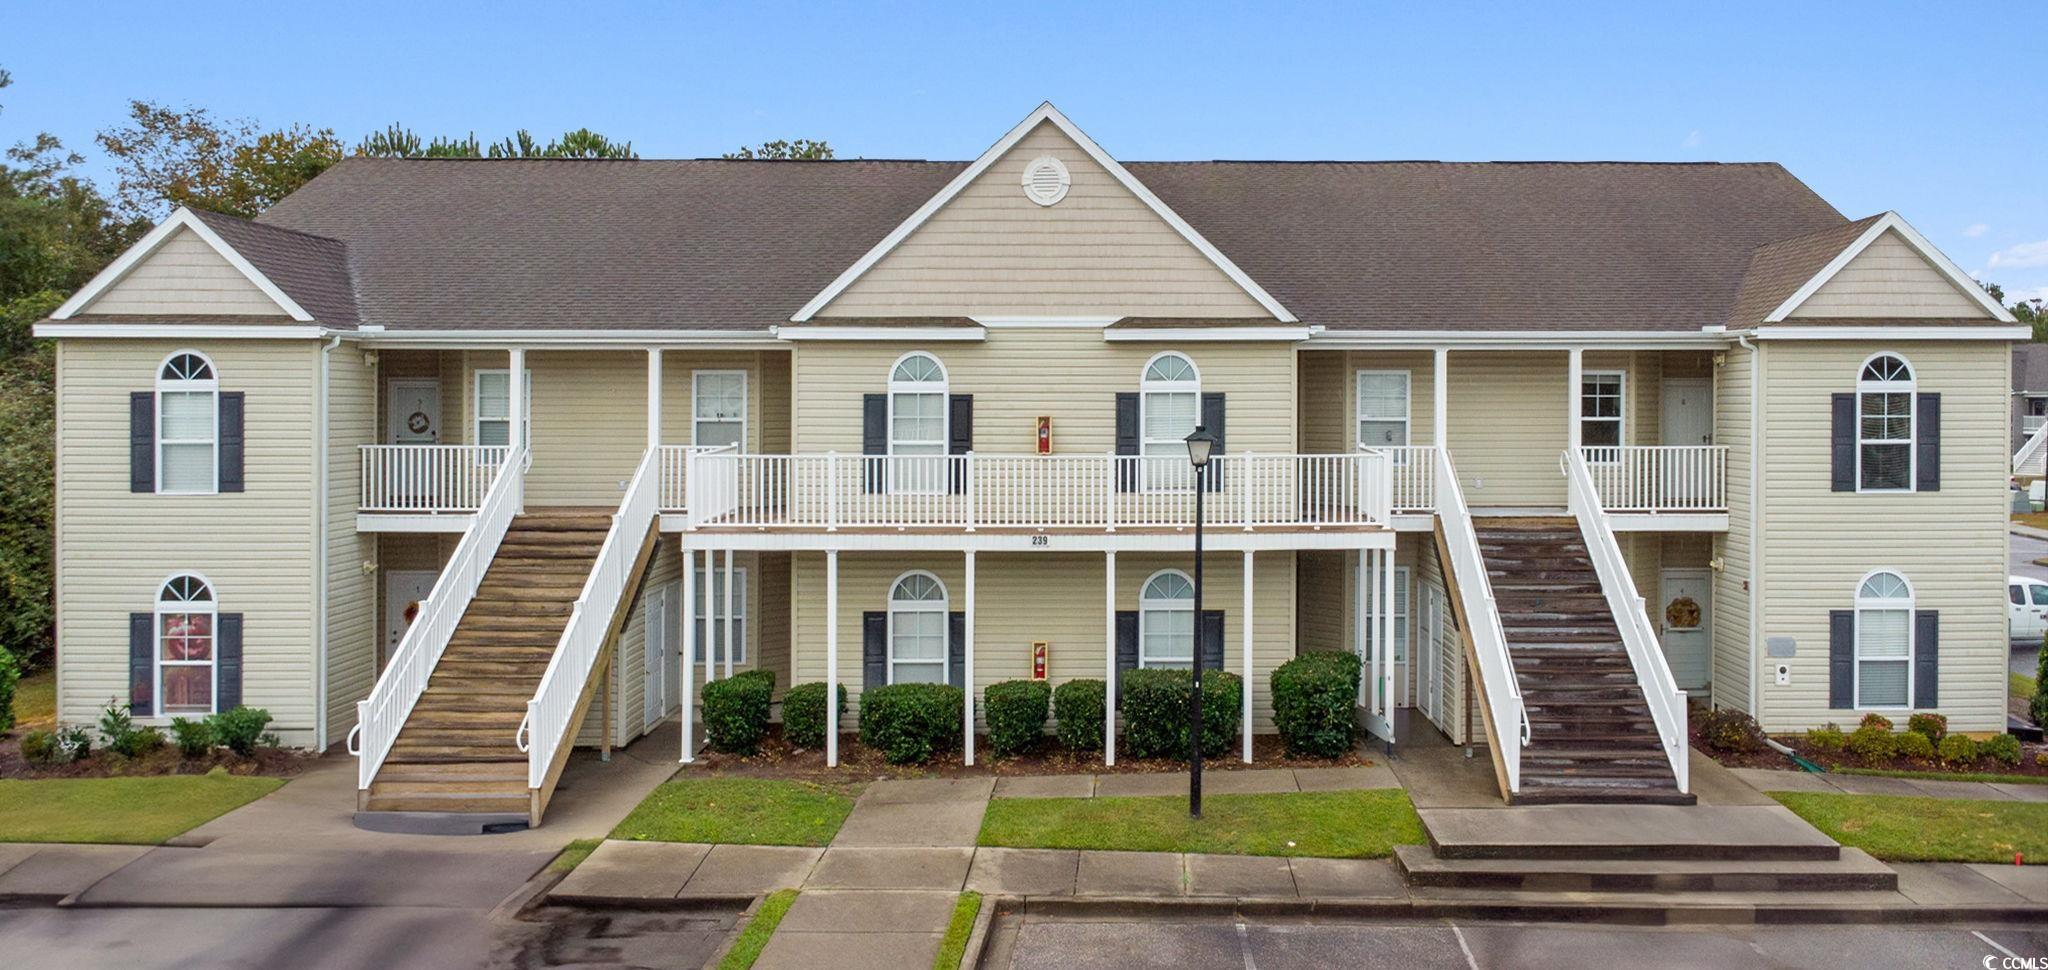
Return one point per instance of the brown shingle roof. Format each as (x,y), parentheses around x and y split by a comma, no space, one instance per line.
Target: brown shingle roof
(1779,269)
(310,269)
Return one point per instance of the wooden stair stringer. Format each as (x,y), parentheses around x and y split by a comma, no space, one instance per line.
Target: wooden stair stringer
(1452,590)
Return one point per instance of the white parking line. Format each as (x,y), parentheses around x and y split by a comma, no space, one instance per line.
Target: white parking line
(1244,946)
(1463,948)
(1994,944)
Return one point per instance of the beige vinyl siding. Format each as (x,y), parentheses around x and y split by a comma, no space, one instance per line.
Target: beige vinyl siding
(1889,279)
(1421,369)
(991,250)
(1950,545)
(1322,607)
(1319,398)
(628,683)
(115,548)
(352,618)
(1508,425)
(776,400)
(1735,547)
(772,592)
(185,276)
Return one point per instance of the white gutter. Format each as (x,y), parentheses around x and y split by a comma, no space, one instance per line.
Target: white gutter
(1518,340)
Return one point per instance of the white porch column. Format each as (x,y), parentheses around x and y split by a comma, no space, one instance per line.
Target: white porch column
(831,658)
(710,650)
(1440,387)
(1575,377)
(1109,658)
(689,612)
(727,615)
(1247,658)
(1386,638)
(654,398)
(967,674)
(515,397)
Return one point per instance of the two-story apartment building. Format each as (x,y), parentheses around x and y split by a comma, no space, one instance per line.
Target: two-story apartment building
(468,461)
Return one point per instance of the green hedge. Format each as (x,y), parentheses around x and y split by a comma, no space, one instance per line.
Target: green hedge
(736,711)
(909,723)
(1077,704)
(1016,712)
(10,674)
(1314,700)
(1156,712)
(803,714)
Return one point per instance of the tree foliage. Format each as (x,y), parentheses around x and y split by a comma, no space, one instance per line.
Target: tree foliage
(168,157)
(398,141)
(2032,313)
(800,150)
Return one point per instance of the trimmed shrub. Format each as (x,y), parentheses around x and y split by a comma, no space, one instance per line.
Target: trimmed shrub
(736,711)
(803,714)
(239,730)
(42,748)
(1913,744)
(1874,720)
(2038,707)
(1872,744)
(195,738)
(1727,729)
(1016,712)
(1313,700)
(1156,712)
(1826,740)
(1957,749)
(10,674)
(1932,726)
(2000,747)
(123,737)
(909,723)
(73,743)
(1077,706)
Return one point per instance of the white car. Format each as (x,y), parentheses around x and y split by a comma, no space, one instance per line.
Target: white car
(2026,607)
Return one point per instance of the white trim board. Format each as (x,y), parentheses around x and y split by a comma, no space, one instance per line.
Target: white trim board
(1044,113)
(154,240)
(1203,334)
(1800,331)
(1892,221)
(186,331)
(1322,339)
(917,334)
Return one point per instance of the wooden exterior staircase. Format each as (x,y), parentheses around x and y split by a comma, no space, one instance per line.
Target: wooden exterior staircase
(1592,737)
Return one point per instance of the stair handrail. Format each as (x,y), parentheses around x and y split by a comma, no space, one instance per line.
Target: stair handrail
(2029,456)
(545,728)
(1489,641)
(1653,672)
(380,716)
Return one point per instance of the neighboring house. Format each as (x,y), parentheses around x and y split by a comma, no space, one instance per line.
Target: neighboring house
(887,421)
(2029,391)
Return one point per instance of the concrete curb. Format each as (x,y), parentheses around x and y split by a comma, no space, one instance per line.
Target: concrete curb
(1634,913)
(664,903)
(746,918)
(977,941)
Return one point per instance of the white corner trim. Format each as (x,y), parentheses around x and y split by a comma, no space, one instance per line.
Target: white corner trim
(920,334)
(1805,332)
(192,331)
(1045,112)
(1202,334)
(149,244)
(1891,220)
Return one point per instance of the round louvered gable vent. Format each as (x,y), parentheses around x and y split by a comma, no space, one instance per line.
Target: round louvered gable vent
(1046,180)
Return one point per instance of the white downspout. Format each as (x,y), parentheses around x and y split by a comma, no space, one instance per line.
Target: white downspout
(320,477)
(1756,505)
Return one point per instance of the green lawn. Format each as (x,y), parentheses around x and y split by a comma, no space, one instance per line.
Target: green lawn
(572,855)
(1946,775)
(1342,824)
(2021,685)
(35,702)
(749,811)
(953,948)
(1897,828)
(140,811)
(754,938)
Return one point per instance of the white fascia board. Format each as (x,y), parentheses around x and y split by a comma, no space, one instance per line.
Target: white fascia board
(565,339)
(150,243)
(185,331)
(1044,323)
(1518,340)
(1908,332)
(919,334)
(1025,542)
(1045,112)
(1203,334)
(1892,221)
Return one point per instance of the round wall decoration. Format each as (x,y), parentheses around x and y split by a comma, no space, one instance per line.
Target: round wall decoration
(1046,180)
(1683,613)
(417,422)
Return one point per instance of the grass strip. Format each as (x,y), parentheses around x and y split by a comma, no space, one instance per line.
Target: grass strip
(1338,824)
(1899,828)
(953,948)
(754,938)
(132,811)
(739,811)
(573,854)
(1944,775)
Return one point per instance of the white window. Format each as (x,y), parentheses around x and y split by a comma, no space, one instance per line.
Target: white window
(1884,425)
(187,426)
(2033,414)
(1602,400)
(718,408)
(494,408)
(917,629)
(185,613)
(715,585)
(1383,397)
(917,425)
(1166,621)
(1170,406)
(1884,641)
(1402,584)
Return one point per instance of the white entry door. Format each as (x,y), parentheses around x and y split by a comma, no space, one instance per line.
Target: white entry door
(1688,411)
(1685,626)
(664,632)
(413,412)
(1428,655)
(405,590)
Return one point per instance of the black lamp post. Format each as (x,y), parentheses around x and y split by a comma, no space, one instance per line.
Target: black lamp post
(1200,444)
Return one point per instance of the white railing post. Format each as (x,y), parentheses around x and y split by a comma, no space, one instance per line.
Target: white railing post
(1244,481)
(967,486)
(1109,493)
(832,494)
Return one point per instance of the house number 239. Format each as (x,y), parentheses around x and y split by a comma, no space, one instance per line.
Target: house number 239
(1037,541)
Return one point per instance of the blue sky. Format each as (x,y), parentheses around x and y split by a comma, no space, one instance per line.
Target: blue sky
(1935,110)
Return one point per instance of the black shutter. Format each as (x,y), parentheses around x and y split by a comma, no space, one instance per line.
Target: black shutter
(1126,440)
(1210,646)
(1841,659)
(1927,442)
(956,649)
(1842,444)
(1126,647)
(142,441)
(1927,659)
(227,653)
(1212,422)
(874,649)
(959,438)
(141,663)
(874,438)
(231,441)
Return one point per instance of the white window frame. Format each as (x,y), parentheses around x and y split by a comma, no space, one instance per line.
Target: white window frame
(705,587)
(1911,441)
(1147,606)
(943,389)
(1604,454)
(696,417)
(942,606)
(165,607)
(1870,604)
(476,407)
(1358,415)
(209,386)
(2029,422)
(1146,389)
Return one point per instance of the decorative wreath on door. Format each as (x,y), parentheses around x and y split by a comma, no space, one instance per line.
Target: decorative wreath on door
(1683,612)
(417,422)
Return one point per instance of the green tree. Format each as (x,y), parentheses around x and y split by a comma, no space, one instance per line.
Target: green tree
(167,157)
(398,141)
(800,150)
(2033,313)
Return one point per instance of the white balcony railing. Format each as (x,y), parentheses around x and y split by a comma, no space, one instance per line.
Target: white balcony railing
(412,479)
(674,471)
(1414,478)
(2028,460)
(1660,478)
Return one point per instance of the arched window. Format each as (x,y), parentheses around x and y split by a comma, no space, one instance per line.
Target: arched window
(1884,641)
(1166,621)
(185,672)
(917,424)
(187,425)
(917,629)
(1884,425)
(1170,406)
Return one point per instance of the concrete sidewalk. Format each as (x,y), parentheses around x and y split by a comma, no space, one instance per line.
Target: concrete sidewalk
(1769,780)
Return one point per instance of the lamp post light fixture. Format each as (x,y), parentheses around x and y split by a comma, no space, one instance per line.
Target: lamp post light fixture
(1200,445)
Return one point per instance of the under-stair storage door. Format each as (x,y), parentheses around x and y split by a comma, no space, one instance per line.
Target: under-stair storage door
(663,617)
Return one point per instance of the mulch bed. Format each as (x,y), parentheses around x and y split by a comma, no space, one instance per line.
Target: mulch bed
(276,762)
(2030,764)
(777,758)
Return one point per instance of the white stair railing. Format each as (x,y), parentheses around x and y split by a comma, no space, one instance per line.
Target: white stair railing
(2028,460)
(1653,674)
(382,715)
(545,729)
(1510,719)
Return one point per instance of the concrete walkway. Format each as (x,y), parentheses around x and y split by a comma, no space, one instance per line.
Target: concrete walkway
(1769,780)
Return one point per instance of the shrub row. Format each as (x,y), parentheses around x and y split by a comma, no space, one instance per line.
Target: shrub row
(1926,737)
(1155,712)
(1314,700)
(909,723)
(238,729)
(736,711)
